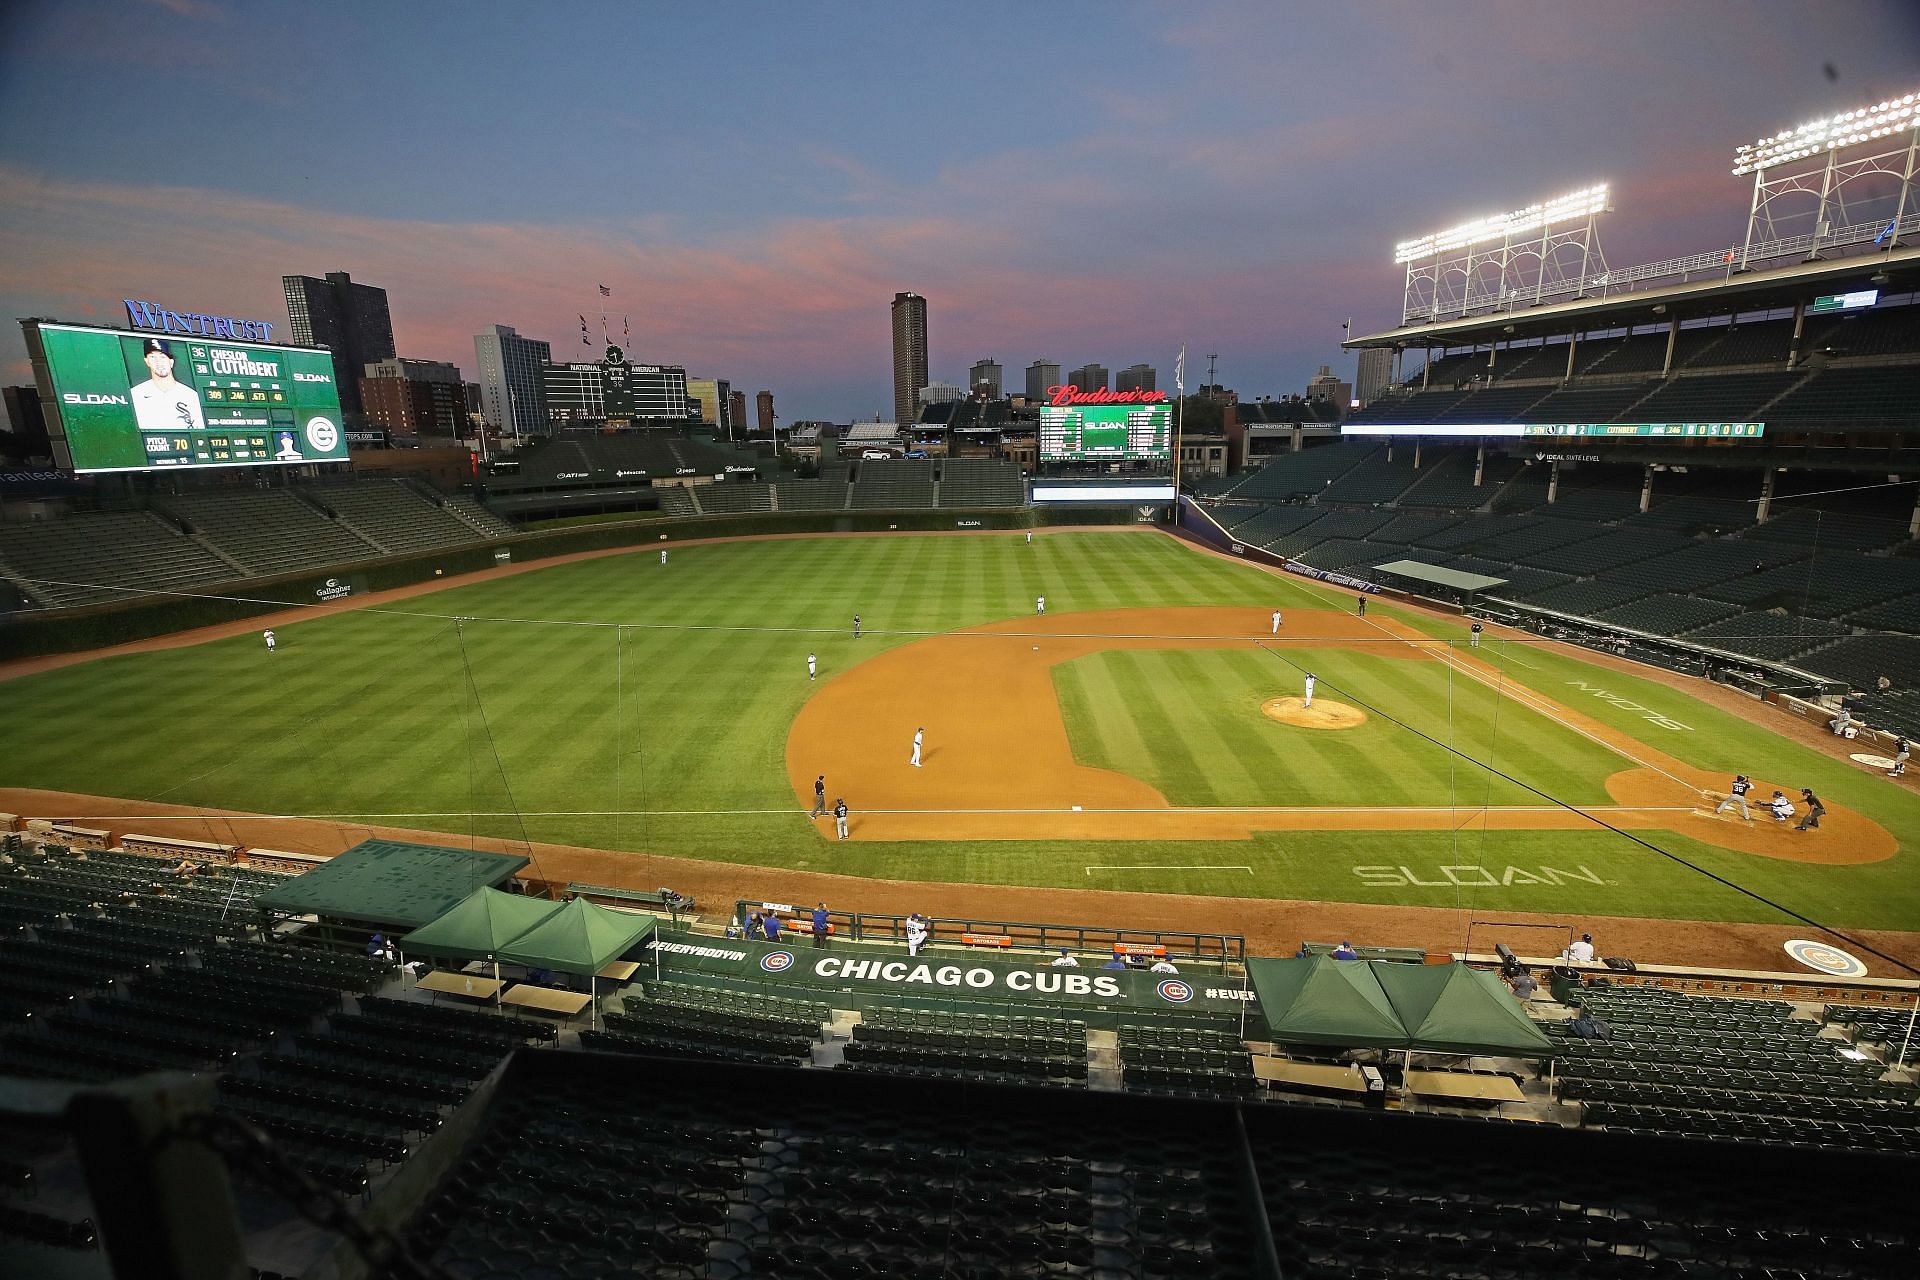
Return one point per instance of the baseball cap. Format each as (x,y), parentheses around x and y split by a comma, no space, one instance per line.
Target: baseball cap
(151,345)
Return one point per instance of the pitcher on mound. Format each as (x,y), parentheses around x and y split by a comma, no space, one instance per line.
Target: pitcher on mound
(1308,702)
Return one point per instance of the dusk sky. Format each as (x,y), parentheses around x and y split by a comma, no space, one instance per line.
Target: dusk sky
(754,181)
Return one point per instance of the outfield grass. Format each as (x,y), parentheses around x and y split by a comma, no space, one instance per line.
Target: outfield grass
(623,705)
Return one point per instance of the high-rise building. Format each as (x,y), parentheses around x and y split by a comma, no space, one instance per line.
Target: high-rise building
(417,397)
(983,379)
(1089,377)
(1137,377)
(763,405)
(1325,386)
(909,353)
(941,393)
(1041,374)
(616,391)
(513,394)
(350,320)
(1375,374)
(26,421)
(739,410)
(714,400)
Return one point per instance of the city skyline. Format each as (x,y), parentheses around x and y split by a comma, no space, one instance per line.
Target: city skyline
(1246,204)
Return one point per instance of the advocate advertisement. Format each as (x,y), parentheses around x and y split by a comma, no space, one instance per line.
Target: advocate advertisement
(125,401)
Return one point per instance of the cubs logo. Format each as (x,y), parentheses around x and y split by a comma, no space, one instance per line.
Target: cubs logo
(1175,991)
(1832,960)
(777,961)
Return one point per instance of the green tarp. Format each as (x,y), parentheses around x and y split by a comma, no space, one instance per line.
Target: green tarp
(480,927)
(391,882)
(1361,1004)
(1455,1008)
(1321,1000)
(578,938)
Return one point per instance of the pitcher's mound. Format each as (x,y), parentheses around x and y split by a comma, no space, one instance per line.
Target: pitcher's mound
(1321,715)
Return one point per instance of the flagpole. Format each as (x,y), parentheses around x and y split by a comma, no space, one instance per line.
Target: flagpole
(1179,424)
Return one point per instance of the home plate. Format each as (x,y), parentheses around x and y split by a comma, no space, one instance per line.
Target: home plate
(1870,760)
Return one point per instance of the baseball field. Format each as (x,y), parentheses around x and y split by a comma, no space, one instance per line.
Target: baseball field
(1146,735)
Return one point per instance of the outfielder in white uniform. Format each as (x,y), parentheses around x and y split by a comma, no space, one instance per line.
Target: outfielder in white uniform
(813,666)
(1309,699)
(1029,537)
(918,734)
(1276,622)
(267,635)
(663,555)
(1039,604)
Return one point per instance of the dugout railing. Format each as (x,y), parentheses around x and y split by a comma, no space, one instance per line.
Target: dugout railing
(991,936)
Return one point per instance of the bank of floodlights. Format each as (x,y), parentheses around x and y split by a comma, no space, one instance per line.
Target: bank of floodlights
(1571,207)
(1896,115)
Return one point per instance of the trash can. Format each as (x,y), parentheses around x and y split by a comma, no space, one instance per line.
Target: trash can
(1564,984)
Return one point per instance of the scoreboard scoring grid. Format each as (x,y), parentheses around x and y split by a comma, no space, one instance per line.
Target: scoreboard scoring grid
(1105,433)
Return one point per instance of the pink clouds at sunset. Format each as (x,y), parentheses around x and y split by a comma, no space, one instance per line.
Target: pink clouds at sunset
(1119,181)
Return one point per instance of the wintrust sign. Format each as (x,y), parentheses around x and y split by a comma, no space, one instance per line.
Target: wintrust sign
(151,315)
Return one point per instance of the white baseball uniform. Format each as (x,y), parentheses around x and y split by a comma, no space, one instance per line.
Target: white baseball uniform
(917,735)
(167,406)
(1040,604)
(268,637)
(1276,622)
(813,666)
(1309,698)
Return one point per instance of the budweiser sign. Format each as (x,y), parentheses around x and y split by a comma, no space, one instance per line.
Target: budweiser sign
(1071,394)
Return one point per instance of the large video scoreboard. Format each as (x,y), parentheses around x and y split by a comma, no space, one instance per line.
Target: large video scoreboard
(1106,433)
(122,401)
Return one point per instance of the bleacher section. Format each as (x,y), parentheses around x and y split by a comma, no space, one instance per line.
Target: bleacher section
(906,484)
(394,516)
(979,483)
(90,559)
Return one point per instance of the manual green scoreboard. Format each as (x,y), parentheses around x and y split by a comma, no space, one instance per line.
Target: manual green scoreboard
(129,401)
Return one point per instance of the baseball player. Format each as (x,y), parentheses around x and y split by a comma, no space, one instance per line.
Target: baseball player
(1901,749)
(918,734)
(162,403)
(1029,537)
(819,797)
(1737,795)
(663,555)
(1310,682)
(1781,806)
(1473,641)
(813,666)
(840,818)
(1276,622)
(1360,606)
(856,626)
(267,635)
(1039,604)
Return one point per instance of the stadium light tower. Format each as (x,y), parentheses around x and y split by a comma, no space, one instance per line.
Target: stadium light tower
(1851,174)
(1506,260)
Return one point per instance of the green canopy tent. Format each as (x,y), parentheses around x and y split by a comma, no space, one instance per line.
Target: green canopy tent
(479,927)
(1455,1008)
(1320,1000)
(580,937)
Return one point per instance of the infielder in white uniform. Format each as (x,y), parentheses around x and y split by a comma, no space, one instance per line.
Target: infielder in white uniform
(1276,622)
(267,635)
(161,403)
(1309,699)
(918,734)
(812,666)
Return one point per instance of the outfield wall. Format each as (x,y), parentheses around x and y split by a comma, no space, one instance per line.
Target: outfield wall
(24,635)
